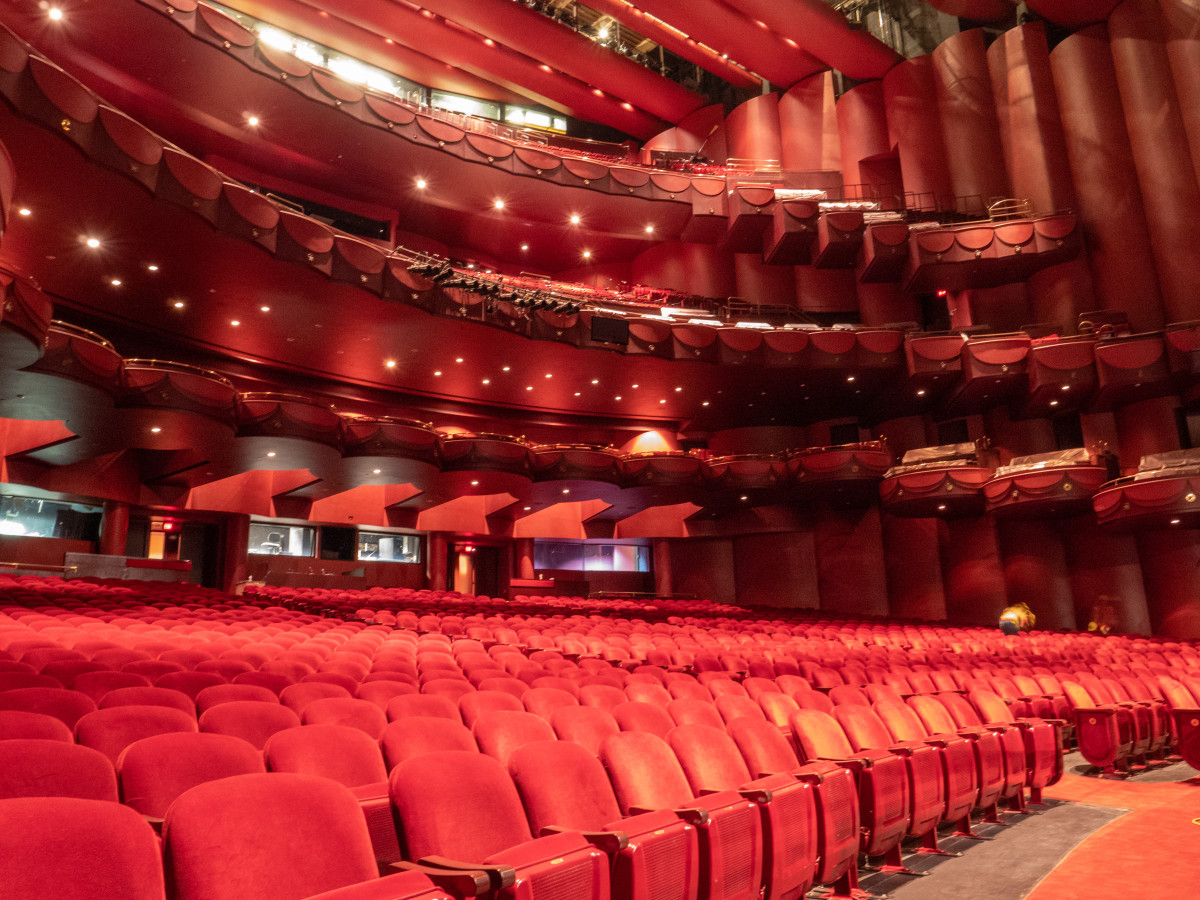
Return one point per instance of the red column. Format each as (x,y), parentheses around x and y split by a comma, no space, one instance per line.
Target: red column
(972,572)
(1108,199)
(968,115)
(1146,427)
(1181,19)
(114,529)
(1161,153)
(664,583)
(1035,570)
(1171,570)
(849,553)
(883,304)
(523,548)
(863,133)
(913,567)
(1106,564)
(235,539)
(915,129)
(808,128)
(435,566)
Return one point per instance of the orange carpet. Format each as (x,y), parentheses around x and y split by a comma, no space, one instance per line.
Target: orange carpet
(1152,851)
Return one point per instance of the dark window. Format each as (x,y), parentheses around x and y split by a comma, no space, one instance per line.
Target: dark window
(952,432)
(846,433)
(1068,431)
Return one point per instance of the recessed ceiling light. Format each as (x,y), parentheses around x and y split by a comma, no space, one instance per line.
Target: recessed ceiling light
(529,387)
(178,304)
(376,471)
(705,403)
(422,184)
(391,364)
(252,121)
(678,389)
(598,92)
(506,369)
(635,386)
(595,381)
(524,246)
(458,359)
(744,497)
(474,484)
(528,508)
(587,254)
(93,242)
(487,381)
(25,211)
(549,374)
(1176,521)
(1054,403)
(566,490)
(849,377)
(618,397)
(437,373)
(498,203)
(155,430)
(271,453)
(152,267)
(921,393)
(941,507)
(662,401)
(575,218)
(116,282)
(628,106)
(577,393)
(235,322)
(649,229)
(264,309)
(55,14)
(1066,387)
(544,67)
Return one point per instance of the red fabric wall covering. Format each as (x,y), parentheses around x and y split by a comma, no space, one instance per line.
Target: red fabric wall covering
(915,129)
(913,567)
(764,283)
(1073,12)
(772,570)
(704,568)
(1146,427)
(1182,23)
(968,113)
(808,126)
(1060,293)
(1171,569)
(1106,564)
(884,304)
(1035,570)
(849,547)
(752,129)
(1109,202)
(1161,155)
(972,571)
(862,124)
(695,268)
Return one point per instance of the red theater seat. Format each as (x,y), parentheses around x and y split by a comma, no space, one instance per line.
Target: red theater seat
(500,733)
(50,847)
(48,768)
(464,806)
(149,696)
(155,770)
(361,714)
(250,720)
(66,706)
(585,725)
(229,693)
(415,735)
(16,723)
(112,730)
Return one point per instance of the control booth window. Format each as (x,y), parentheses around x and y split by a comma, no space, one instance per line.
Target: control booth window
(274,539)
(591,557)
(389,547)
(35,517)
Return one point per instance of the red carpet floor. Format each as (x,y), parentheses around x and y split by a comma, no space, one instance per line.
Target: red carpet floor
(1153,851)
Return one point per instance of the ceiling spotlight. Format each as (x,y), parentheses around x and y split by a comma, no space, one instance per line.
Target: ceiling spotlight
(649,229)
(549,374)
(264,309)
(376,471)
(235,323)
(1054,403)
(705,403)
(421,184)
(437,373)
(678,389)
(529,387)
(506,369)
(566,490)
(155,430)
(528,508)
(25,211)
(1176,521)
(116,282)
(93,242)
(252,121)
(575,219)
(178,304)
(152,267)
(55,14)
(618,397)
(941,507)
(391,364)
(744,498)
(498,203)
(587,254)
(270,454)
(524,246)
(458,360)
(474,484)
(921,393)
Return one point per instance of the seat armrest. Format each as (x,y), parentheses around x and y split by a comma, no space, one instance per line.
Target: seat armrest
(468,882)
(498,876)
(609,842)
(155,823)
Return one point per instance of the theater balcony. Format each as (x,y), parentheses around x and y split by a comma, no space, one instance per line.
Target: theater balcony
(1161,494)
(936,482)
(847,476)
(1044,485)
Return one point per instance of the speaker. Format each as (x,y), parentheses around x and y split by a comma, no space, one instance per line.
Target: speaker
(610,331)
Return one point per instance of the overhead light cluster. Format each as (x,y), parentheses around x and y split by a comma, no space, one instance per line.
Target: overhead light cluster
(445,275)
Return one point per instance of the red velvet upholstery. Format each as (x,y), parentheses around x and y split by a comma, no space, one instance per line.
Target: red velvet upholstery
(16,723)
(112,730)
(647,717)
(986,750)
(415,735)
(562,784)
(72,849)
(250,720)
(40,768)
(464,806)
(148,696)
(157,769)
(297,696)
(585,725)
(228,693)
(401,886)
(361,714)
(1012,743)
(1043,740)
(646,775)
(271,837)
(731,707)
(644,692)
(97,684)
(66,706)
(695,712)
(543,701)
(422,705)
(475,703)
(190,683)
(605,696)
(501,732)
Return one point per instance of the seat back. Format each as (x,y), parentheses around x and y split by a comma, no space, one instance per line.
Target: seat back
(361,714)
(647,717)
(562,783)
(272,837)
(644,771)
(50,846)
(585,725)
(819,735)
(228,693)
(500,733)
(149,696)
(474,704)
(250,720)
(695,712)
(415,735)
(30,767)
(157,769)
(112,730)
(343,753)
(422,705)
(66,706)
(297,696)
